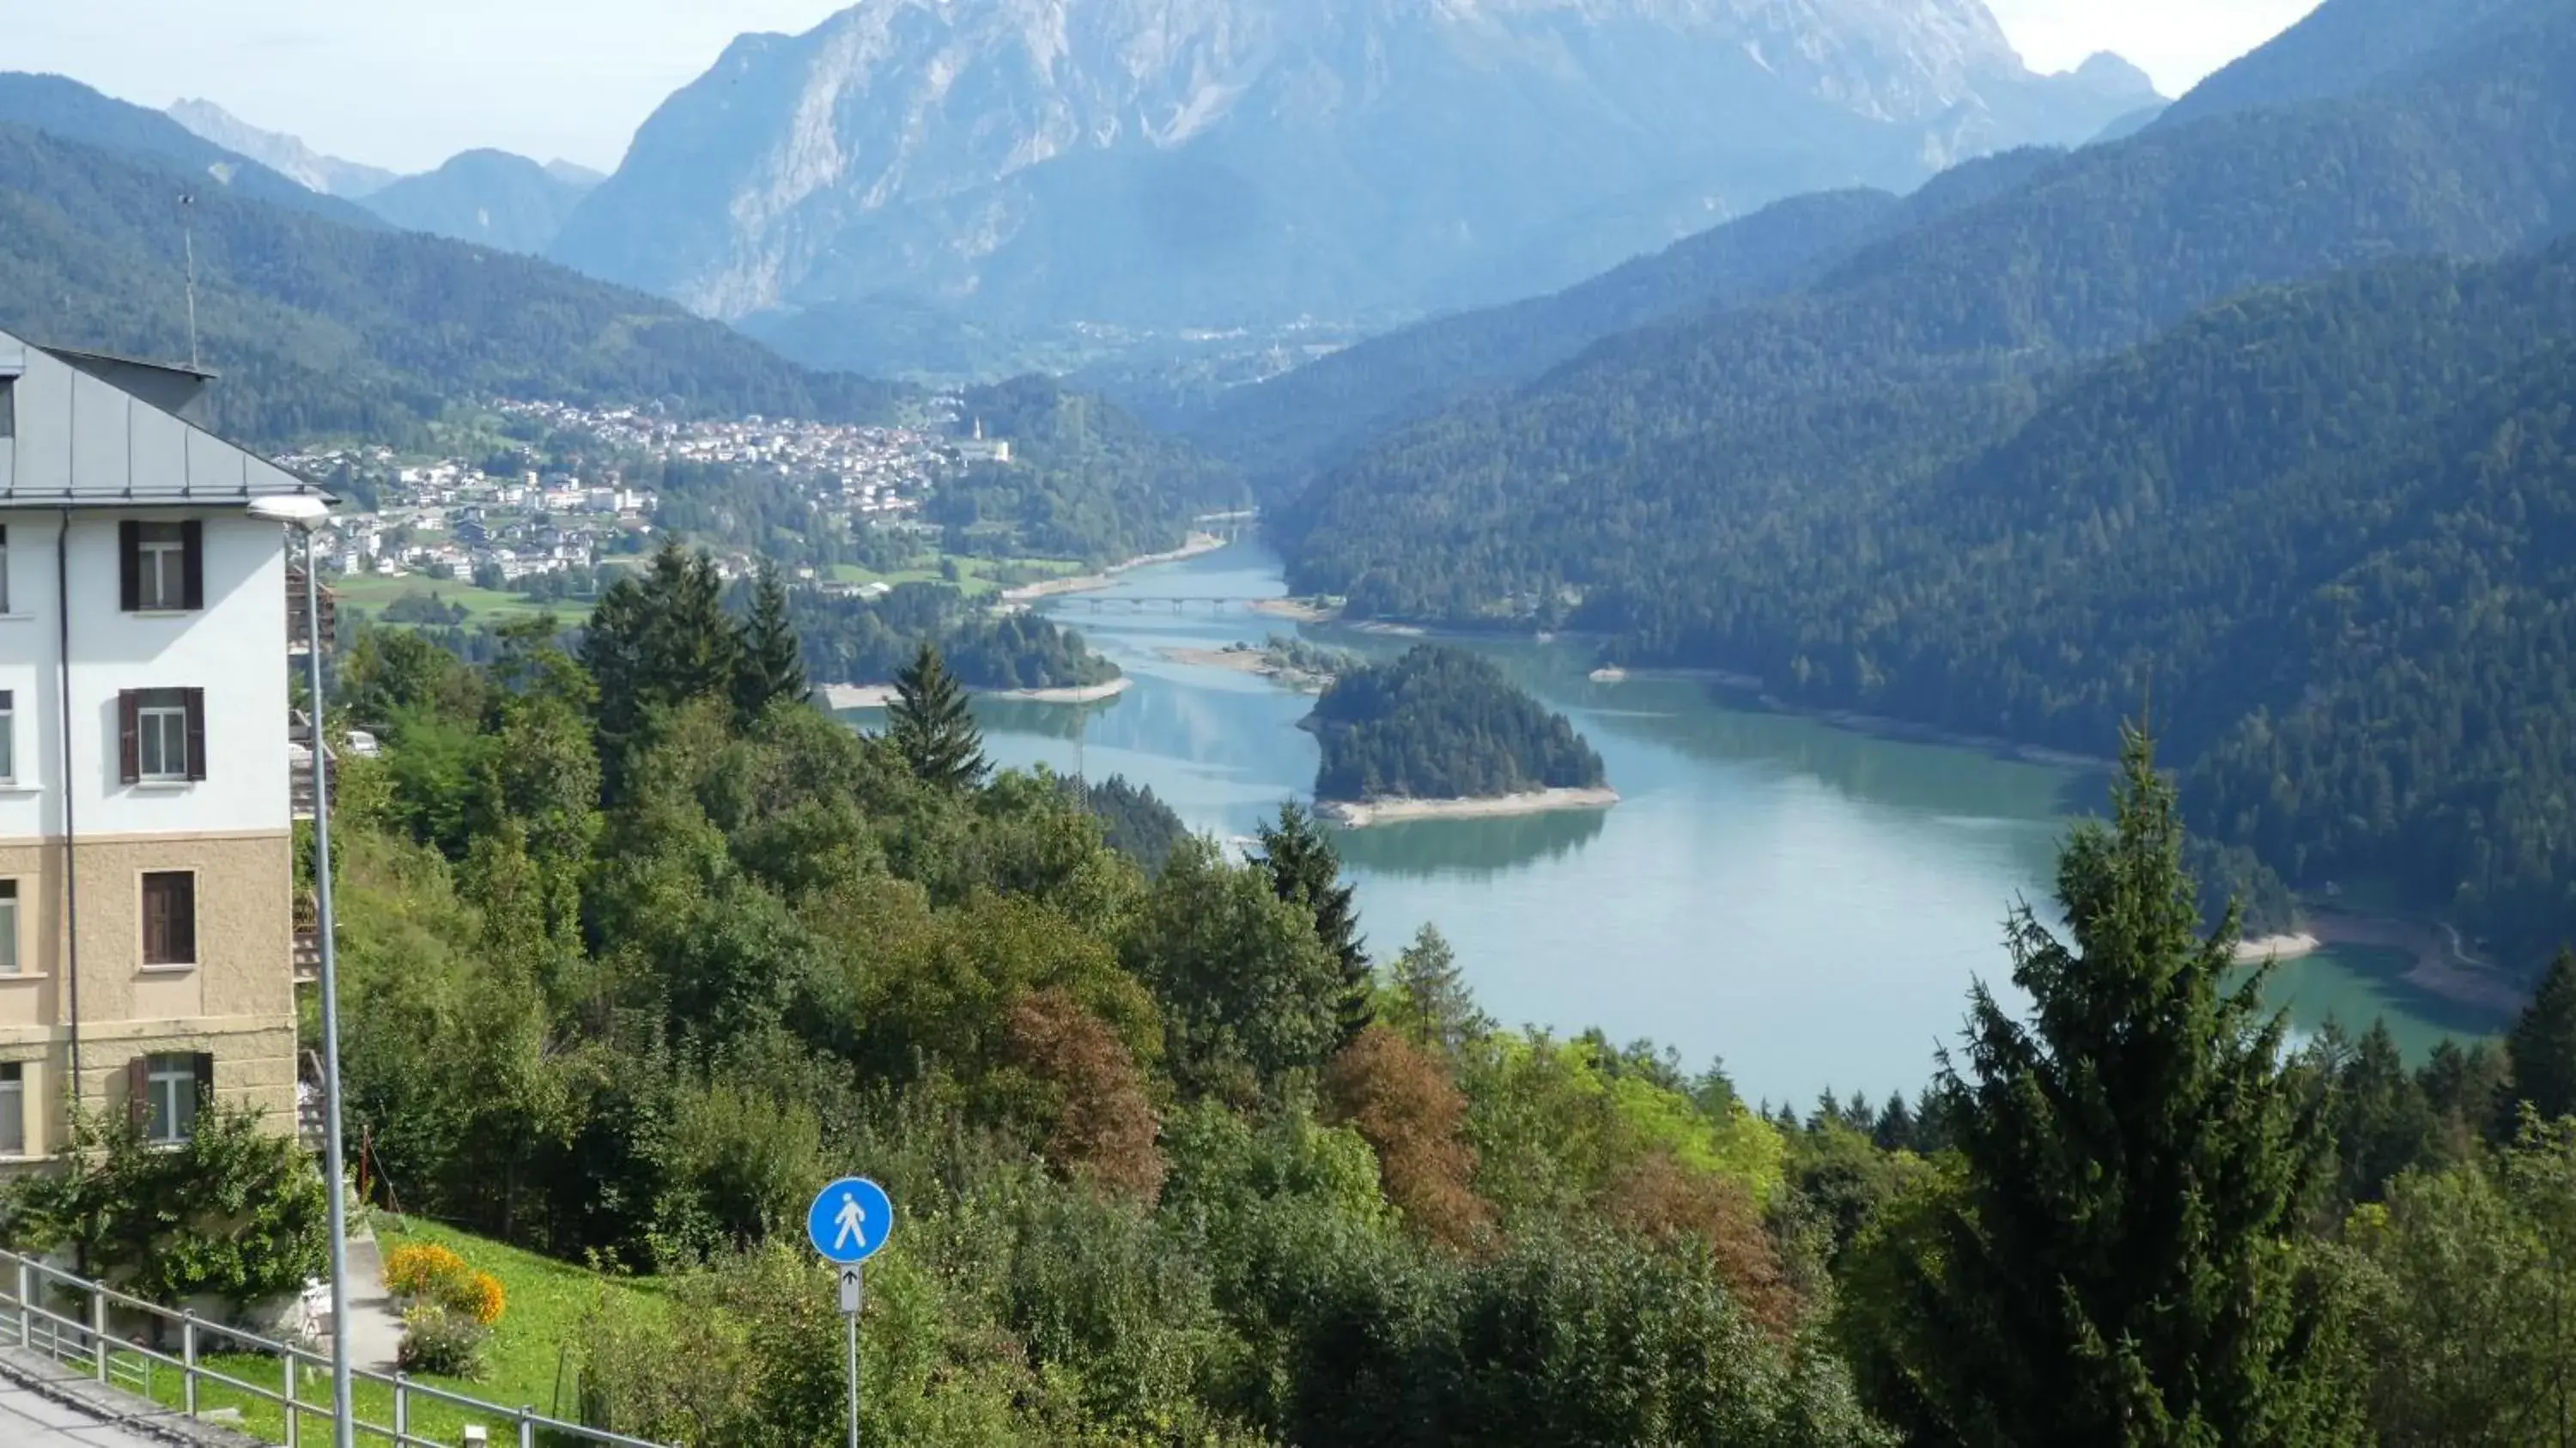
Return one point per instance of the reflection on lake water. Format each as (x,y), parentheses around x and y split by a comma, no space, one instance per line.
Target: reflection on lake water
(1807,902)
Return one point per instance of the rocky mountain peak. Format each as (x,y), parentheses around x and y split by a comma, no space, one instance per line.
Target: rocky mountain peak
(1154,162)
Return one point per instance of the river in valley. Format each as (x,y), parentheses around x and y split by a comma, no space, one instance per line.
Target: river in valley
(1807,903)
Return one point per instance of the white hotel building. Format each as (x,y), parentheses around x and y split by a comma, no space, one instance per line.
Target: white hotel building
(147,926)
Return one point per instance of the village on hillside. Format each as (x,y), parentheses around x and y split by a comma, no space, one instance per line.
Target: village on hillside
(570,501)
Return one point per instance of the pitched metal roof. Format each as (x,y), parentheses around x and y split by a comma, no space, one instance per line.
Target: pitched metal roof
(89,430)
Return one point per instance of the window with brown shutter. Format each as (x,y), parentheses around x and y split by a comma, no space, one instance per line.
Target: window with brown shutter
(138,1091)
(161,567)
(170,918)
(129,754)
(163,1093)
(194,701)
(192,565)
(161,735)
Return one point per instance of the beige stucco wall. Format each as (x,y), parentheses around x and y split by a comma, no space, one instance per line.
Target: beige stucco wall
(236,1002)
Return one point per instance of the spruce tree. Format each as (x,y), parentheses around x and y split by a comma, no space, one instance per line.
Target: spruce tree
(1431,999)
(1306,870)
(656,641)
(932,725)
(1895,1130)
(2119,1265)
(2541,1051)
(771,664)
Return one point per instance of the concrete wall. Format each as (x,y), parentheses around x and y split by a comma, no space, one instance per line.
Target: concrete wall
(237,1001)
(234,649)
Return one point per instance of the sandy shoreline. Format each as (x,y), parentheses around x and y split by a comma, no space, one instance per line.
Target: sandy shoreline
(2441,965)
(1076,694)
(1249,661)
(838,697)
(1241,661)
(1199,543)
(2260,948)
(1295,608)
(1390,811)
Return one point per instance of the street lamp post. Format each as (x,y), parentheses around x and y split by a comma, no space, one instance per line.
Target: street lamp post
(306,512)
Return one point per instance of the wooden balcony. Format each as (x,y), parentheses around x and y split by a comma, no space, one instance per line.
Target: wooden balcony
(296,635)
(299,780)
(305,953)
(311,1126)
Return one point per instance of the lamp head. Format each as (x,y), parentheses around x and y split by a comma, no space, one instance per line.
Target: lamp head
(303,510)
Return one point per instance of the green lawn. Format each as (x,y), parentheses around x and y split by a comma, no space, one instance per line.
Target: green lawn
(974,574)
(376,592)
(529,1362)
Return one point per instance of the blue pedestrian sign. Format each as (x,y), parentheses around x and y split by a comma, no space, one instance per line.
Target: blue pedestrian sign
(850,1220)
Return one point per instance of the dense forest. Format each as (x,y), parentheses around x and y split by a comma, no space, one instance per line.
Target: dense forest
(1442,723)
(1284,429)
(864,641)
(1906,489)
(638,946)
(322,328)
(1134,821)
(1085,480)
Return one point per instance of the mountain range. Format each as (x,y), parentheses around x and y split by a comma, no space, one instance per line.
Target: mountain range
(1172,164)
(287,155)
(492,198)
(323,320)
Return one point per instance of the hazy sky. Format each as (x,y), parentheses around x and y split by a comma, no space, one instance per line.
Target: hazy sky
(407,83)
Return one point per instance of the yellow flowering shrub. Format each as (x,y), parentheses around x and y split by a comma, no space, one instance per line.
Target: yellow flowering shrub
(484,1298)
(419,1270)
(432,1274)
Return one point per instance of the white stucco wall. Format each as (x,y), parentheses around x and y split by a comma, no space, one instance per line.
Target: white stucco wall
(234,649)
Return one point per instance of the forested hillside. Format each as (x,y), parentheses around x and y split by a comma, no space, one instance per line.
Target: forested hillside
(2335,50)
(1085,480)
(2319,528)
(1283,430)
(321,328)
(1319,413)
(1905,491)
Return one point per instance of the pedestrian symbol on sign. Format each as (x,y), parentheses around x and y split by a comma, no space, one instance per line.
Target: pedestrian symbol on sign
(850,1220)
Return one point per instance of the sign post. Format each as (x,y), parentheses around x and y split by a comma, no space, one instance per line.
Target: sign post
(849,1223)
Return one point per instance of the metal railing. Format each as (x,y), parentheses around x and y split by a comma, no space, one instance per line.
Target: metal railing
(86,1338)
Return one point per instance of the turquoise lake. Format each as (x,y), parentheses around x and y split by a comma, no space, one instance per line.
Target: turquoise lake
(1806,903)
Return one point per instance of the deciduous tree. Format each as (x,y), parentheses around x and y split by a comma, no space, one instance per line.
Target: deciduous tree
(1413,1116)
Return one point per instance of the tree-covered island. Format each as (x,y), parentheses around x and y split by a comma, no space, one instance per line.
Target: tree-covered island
(1441,731)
